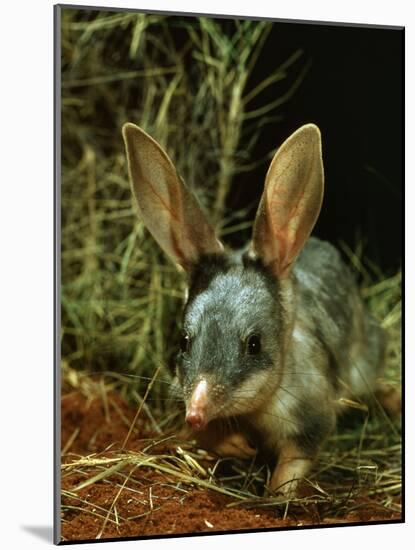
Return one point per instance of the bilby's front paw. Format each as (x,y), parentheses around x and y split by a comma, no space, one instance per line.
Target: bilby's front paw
(282,490)
(215,439)
(235,445)
(185,434)
(291,468)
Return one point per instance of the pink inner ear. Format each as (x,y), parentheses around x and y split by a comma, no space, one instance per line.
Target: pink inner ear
(168,208)
(178,243)
(291,201)
(286,228)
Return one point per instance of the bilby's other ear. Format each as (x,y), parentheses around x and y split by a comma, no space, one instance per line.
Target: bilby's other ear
(291,200)
(169,210)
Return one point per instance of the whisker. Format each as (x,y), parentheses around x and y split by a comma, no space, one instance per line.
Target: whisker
(283,418)
(165,399)
(299,399)
(238,407)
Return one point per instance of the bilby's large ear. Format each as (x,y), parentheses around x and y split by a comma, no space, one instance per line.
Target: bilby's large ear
(169,210)
(291,200)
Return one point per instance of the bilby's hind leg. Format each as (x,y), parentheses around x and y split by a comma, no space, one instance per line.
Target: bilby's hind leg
(390,399)
(368,364)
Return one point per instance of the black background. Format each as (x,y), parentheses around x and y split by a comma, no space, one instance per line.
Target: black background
(353,91)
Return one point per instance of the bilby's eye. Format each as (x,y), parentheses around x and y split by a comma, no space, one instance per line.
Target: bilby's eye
(185,343)
(253,344)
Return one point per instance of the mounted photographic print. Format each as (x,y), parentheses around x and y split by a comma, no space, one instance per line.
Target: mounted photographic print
(229,204)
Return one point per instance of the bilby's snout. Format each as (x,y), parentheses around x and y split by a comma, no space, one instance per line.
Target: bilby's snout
(196,420)
(196,414)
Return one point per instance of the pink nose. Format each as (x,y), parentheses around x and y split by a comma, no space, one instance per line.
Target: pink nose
(195,419)
(196,410)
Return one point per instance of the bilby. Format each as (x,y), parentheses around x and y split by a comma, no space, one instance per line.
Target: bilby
(273,336)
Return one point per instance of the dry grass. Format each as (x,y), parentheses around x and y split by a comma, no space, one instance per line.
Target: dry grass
(186,81)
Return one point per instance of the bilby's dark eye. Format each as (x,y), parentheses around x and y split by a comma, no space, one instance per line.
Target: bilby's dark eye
(253,344)
(185,343)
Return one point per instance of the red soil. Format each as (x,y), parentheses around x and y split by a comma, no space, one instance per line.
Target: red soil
(150,503)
